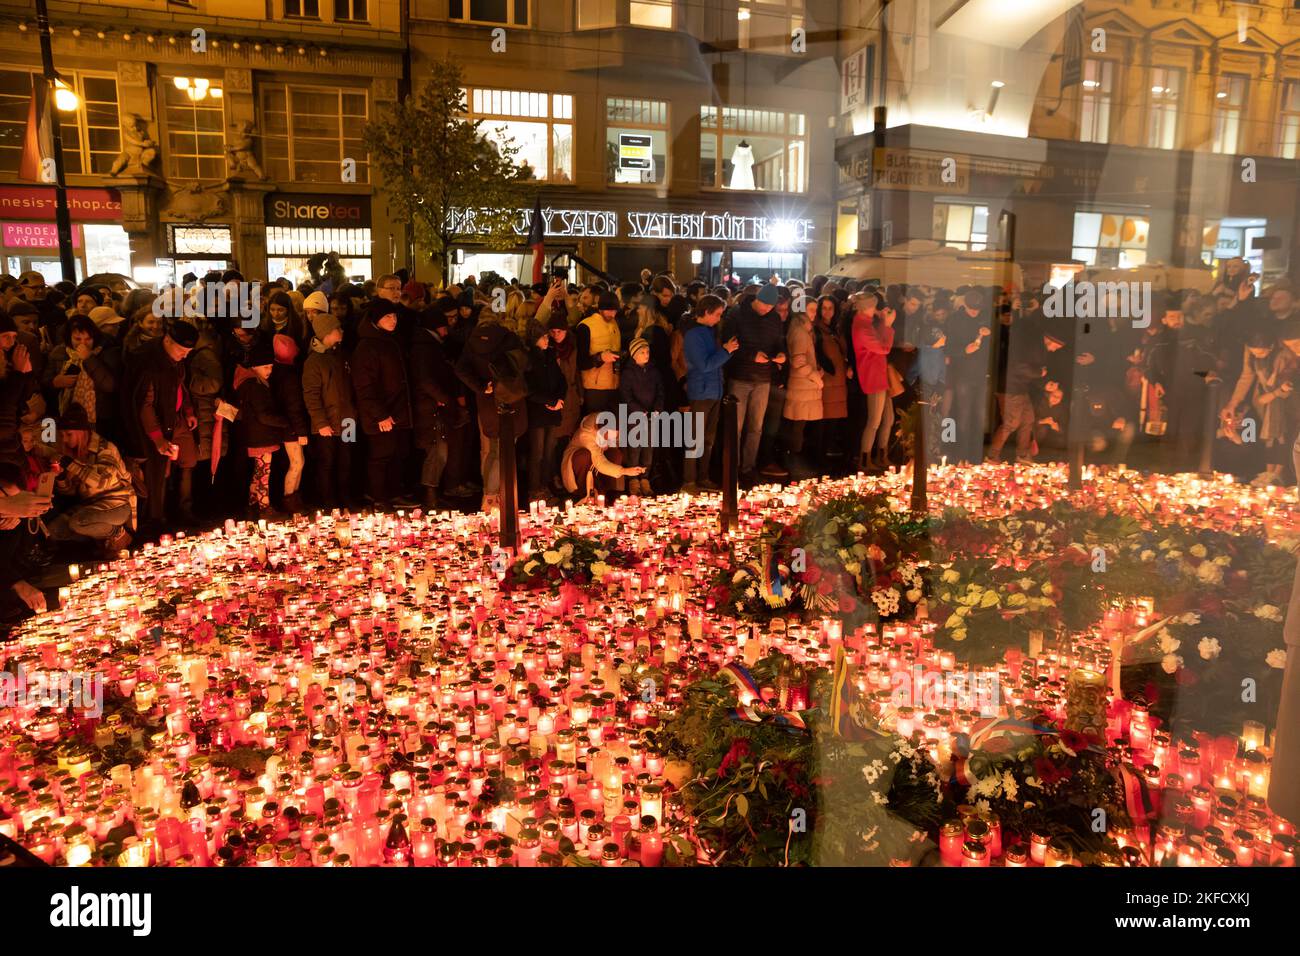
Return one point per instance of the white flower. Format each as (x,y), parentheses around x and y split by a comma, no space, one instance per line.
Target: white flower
(1168,643)
(751,592)
(740,607)
(1268,612)
(1170,663)
(1209,648)
(879,797)
(1276,658)
(1197,551)
(873,770)
(1147,555)
(1009,785)
(1190,617)
(914,595)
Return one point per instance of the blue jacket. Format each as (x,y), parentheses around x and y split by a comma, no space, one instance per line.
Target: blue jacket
(704,361)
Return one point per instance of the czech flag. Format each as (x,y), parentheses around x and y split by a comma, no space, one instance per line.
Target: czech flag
(537,239)
(38,140)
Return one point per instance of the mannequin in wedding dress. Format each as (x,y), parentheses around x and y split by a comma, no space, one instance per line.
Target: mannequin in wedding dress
(742,166)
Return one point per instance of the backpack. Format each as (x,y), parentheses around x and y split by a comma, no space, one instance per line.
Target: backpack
(509,381)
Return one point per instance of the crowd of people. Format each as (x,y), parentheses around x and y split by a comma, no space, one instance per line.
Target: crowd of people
(118,423)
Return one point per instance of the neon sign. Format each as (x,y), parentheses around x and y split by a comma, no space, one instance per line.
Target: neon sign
(686,227)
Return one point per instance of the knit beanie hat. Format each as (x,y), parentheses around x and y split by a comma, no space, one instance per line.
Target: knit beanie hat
(284,348)
(183,334)
(769,294)
(534,331)
(318,301)
(90,291)
(323,324)
(558,320)
(608,303)
(261,353)
(636,346)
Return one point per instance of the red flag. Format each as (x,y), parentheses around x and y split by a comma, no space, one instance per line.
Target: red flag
(38,141)
(537,239)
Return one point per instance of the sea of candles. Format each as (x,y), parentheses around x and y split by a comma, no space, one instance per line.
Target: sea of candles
(418,714)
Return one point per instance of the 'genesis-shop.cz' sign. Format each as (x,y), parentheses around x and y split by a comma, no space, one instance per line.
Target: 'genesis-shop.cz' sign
(289,209)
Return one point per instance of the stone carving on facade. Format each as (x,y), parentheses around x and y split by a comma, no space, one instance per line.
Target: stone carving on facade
(239,81)
(133,72)
(240,154)
(139,149)
(385,88)
(195,202)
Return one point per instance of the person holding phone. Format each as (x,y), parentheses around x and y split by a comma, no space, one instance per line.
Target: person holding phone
(705,360)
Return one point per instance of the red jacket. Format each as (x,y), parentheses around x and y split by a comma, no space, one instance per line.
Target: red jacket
(871,344)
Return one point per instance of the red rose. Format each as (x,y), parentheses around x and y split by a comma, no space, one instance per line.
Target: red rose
(1048,772)
(739,750)
(812,575)
(848,604)
(826,587)
(1075,741)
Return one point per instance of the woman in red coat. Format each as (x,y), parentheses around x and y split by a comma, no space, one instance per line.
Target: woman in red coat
(873,336)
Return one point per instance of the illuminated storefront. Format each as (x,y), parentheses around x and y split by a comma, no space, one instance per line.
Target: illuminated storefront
(301,225)
(29,238)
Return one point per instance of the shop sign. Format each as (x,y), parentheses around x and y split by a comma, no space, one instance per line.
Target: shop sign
(916,170)
(305,209)
(37,202)
(686,227)
(635,151)
(36,235)
(853,82)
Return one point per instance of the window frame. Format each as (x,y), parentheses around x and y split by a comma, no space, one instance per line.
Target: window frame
(291,136)
(352,9)
(666,129)
(1288,83)
(1159,109)
(286,15)
(1222,112)
(550,120)
(166,131)
(1103,94)
(510,21)
(970,244)
(1118,249)
(795,13)
(80,124)
(720,131)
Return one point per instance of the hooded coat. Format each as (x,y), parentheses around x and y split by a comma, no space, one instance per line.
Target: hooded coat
(379,379)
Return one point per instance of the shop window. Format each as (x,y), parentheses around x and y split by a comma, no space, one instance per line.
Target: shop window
(1110,239)
(962,225)
(302,9)
(511,13)
(1229,112)
(1094,107)
(539,124)
(352,10)
(91,134)
(194,113)
(597,14)
(308,131)
(1288,145)
(1166,88)
(749,149)
(636,141)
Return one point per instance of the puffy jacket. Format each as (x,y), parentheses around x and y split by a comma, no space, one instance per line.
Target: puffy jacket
(327,388)
(704,361)
(803,399)
(641,388)
(264,428)
(379,379)
(586,438)
(596,335)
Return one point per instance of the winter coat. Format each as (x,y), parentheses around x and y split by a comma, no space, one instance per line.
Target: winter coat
(104,369)
(567,359)
(379,379)
(835,384)
(327,388)
(756,333)
(205,382)
(264,428)
(803,397)
(102,477)
(871,344)
(586,438)
(157,400)
(641,388)
(546,386)
(286,387)
(704,361)
(494,355)
(594,336)
(434,389)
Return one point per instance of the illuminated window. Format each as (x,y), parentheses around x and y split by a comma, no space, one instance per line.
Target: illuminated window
(1229,111)
(766,26)
(1289,121)
(302,9)
(539,124)
(92,136)
(511,13)
(1166,87)
(1094,108)
(308,131)
(652,13)
(764,150)
(1111,240)
(636,141)
(195,127)
(597,14)
(962,225)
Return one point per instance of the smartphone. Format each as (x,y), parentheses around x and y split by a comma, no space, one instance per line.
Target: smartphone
(45,484)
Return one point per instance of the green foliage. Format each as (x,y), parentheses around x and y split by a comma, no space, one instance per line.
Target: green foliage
(434,162)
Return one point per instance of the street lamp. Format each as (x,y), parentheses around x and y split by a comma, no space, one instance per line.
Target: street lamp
(64,99)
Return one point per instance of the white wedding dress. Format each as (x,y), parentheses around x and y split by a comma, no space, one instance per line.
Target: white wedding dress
(742,168)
